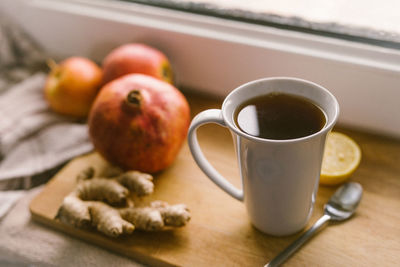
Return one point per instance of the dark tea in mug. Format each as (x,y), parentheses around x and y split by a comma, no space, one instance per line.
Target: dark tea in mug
(279,116)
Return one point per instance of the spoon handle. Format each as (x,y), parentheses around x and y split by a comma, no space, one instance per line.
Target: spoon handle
(292,248)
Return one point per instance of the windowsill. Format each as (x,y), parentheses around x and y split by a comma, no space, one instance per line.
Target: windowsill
(215,56)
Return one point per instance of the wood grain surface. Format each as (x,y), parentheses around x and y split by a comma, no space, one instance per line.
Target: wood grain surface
(219,233)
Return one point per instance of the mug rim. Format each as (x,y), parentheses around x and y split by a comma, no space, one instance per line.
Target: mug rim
(327,127)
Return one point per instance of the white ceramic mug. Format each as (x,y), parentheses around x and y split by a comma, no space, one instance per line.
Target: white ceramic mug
(279,177)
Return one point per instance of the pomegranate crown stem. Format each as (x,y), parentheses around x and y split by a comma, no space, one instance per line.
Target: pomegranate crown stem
(134,98)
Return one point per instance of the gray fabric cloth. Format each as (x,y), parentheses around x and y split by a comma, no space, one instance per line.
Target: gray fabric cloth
(34,141)
(7,199)
(20,57)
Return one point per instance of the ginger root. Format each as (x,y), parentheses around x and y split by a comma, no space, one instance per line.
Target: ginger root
(173,215)
(158,215)
(137,182)
(102,189)
(113,190)
(107,220)
(83,214)
(86,174)
(144,218)
(85,207)
(74,211)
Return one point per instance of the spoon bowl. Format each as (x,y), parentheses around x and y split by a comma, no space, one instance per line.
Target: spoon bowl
(344,202)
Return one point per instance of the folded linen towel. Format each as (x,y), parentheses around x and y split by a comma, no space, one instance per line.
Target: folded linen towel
(8,199)
(33,139)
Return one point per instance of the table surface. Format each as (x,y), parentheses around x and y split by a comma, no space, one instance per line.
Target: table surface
(370,238)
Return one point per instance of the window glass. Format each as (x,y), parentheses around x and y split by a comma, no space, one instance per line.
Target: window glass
(369,21)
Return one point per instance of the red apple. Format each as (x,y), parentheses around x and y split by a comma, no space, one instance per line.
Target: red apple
(139,122)
(136,58)
(72,85)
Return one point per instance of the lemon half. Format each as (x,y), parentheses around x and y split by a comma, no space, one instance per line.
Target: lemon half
(341,158)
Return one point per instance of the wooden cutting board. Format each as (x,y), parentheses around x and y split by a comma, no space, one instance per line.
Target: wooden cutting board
(219,233)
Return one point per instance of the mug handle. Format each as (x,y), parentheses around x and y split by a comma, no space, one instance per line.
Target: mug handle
(204,117)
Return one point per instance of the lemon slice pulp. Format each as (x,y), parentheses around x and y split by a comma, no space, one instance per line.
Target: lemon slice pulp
(341,158)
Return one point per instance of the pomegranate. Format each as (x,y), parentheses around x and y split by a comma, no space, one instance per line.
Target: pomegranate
(136,58)
(138,122)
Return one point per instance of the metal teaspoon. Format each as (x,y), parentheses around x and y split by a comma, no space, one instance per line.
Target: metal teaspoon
(340,207)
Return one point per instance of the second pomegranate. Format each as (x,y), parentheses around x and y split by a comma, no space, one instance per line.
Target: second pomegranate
(136,58)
